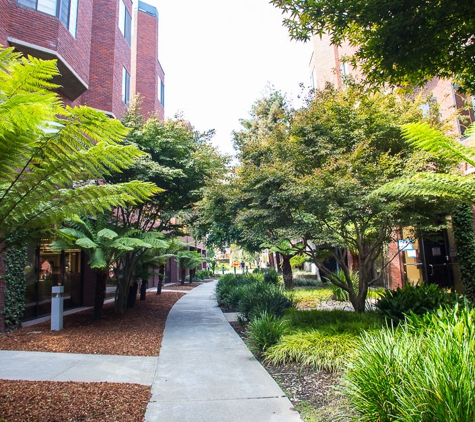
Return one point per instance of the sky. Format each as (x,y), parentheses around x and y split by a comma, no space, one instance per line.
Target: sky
(220,55)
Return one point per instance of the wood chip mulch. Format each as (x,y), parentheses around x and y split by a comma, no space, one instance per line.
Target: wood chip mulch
(138,332)
(72,401)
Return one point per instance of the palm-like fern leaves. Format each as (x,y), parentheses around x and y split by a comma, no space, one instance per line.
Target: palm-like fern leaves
(454,185)
(51,157)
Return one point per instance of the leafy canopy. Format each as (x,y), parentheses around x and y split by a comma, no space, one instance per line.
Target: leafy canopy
(396,41)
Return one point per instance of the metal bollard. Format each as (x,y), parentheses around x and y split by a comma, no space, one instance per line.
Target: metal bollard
(57,307)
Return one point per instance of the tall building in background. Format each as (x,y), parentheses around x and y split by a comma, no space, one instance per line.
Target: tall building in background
(328,64)
(106,50)
(148,78)
(431,260)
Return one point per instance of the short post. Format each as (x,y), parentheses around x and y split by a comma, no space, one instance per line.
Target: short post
(234,270)
(57,306)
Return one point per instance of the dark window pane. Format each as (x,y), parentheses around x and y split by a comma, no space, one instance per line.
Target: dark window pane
(64,12)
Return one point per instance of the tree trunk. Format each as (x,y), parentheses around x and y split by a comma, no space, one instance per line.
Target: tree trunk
(192,274)
(143,289)
(161,276)
(183,275)
(287,272)
(100,293)
(462,220)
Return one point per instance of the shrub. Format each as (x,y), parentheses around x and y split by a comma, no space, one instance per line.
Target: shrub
(260,297)
(202,274)
(271,276)
(422,371)
(228,283)
(395,305)
(264,331)
(305,282)
(340,294)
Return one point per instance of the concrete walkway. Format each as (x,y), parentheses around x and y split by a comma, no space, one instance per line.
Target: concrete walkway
(204,373)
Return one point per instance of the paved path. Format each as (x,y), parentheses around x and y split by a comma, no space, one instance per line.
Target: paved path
(204,373)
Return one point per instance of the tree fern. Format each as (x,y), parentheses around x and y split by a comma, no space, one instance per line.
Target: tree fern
(453,185)
(52,157)
(456,186)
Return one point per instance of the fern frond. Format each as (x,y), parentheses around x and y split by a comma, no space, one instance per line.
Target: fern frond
(431,185)
(423,136)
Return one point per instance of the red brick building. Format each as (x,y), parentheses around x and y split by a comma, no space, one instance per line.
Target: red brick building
(434,260)
(103,63)
(106,52)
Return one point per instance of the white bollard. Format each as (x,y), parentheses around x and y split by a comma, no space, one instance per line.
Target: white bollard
(57,308)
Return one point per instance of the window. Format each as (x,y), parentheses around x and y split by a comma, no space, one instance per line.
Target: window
(125,22)
(65,10)
(161,93)
(125,86)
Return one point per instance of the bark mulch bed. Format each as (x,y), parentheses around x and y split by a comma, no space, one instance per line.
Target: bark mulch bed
(137,333)
(72,401)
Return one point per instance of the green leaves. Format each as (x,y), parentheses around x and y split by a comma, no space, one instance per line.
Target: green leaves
(396,42)
(51,157)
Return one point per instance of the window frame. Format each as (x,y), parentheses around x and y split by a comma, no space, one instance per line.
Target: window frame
(125,22)
(125,86)
(59,7)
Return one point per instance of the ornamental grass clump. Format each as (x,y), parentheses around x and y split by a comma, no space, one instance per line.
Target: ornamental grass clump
(324,340)
(314,349)
(264,331)
(421,371)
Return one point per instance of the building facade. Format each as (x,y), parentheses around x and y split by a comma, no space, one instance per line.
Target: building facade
(432,259)
(106,52)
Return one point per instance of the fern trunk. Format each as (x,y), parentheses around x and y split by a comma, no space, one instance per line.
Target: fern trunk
(100,293)
(183,275)
(161,276)
(462,220)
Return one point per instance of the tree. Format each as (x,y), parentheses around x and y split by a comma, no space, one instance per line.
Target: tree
(179,160)
(52,157)
(103,245)
(188,260)
(452,184)
(346,144)
(150,242)
(397,41)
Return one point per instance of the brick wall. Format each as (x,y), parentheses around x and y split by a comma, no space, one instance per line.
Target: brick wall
(146,62)
(109,54)
(394,272)
(4,14)
(48,32)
